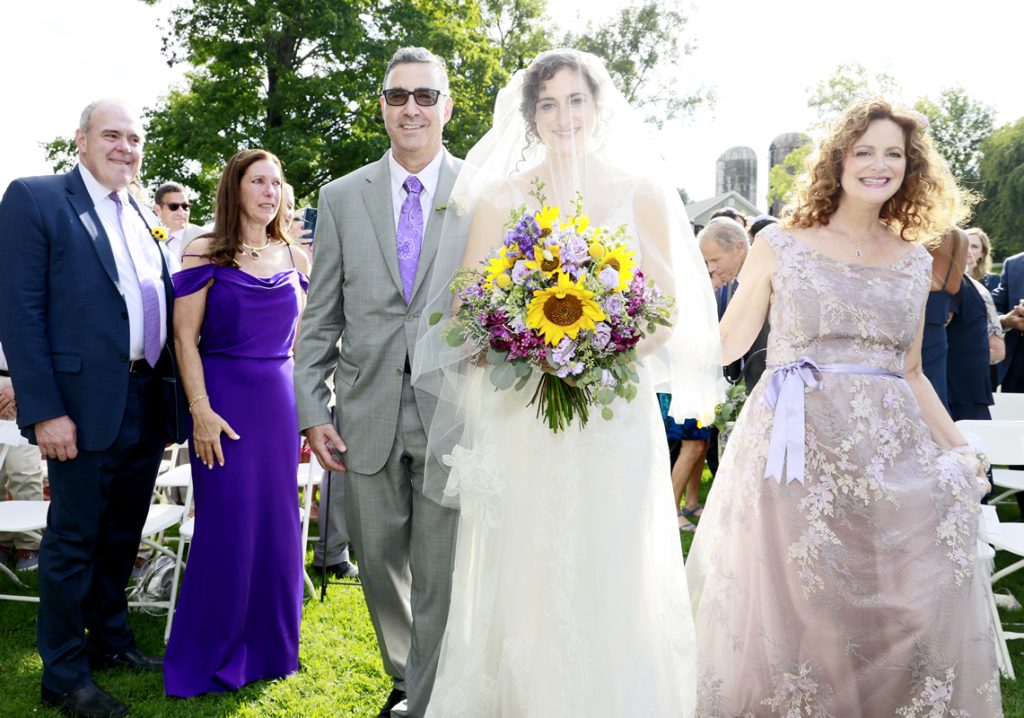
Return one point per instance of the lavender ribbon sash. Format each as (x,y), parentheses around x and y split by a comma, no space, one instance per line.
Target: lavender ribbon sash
(785,395)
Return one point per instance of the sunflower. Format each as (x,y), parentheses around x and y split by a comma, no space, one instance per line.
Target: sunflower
(621,260)
(563,310)
(577,224)
(546,260)
(546,218)
(496,266)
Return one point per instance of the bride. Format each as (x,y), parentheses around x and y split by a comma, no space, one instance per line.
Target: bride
(569,594)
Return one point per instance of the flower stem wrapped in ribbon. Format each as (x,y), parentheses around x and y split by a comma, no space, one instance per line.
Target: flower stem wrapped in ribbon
(563,298)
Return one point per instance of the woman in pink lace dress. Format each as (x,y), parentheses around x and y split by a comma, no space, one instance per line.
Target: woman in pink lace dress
(834,573)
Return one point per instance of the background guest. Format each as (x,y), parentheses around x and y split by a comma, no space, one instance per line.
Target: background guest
(172,206)
(949,262)
(981,268)
(969,338)
(21,478)
(239,297)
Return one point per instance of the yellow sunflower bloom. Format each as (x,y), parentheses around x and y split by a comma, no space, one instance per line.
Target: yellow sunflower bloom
(577,224)
(547,260)
(546,218)
(563,310)
(621,260)
(497,266)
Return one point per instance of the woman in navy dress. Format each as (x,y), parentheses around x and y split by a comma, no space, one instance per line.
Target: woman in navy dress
(239,296)
(949,259)
(968,379)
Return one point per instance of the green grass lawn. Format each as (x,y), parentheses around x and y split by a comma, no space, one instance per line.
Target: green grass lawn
(341,672)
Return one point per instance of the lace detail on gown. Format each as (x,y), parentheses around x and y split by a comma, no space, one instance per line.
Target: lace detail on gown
(569,594)
(855,593)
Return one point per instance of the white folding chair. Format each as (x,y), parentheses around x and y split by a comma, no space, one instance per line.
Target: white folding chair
(1003,442)
(171,456)
(1007,407)
(27,517)
(309,476)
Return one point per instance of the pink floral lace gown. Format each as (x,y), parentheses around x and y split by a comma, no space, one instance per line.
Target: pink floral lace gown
(856,593)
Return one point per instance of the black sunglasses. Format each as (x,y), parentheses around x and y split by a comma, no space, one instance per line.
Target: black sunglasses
(173,206)
(424,96)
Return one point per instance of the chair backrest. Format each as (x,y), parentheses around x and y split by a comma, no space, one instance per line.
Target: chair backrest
(1002,441)
(1008,406)
(179,476)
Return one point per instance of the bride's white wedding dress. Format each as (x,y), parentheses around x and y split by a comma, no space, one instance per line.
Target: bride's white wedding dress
(569,594)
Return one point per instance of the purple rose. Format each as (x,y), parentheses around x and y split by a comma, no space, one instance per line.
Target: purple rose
(602,335)
(520,272)
(613,305)
(607,379)
(608,277)
(574,250)
(563,353)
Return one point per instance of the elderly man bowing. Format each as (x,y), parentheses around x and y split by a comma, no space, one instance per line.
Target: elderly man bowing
(85,316)
(376,241)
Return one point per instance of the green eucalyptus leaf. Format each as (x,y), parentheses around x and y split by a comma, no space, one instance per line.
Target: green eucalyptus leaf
(503,376)
(436,317)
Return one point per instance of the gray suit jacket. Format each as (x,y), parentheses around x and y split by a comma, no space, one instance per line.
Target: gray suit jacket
(355,296)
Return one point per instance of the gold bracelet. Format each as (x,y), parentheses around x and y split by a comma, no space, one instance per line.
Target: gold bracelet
(193,402)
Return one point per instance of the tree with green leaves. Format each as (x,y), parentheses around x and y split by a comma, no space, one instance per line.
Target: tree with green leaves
(846,84)
(1001,178)
(302,79)
(782,177)
(958,125)
(644,47)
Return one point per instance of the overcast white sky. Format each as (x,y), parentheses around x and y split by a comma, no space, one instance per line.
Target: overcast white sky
(760,56)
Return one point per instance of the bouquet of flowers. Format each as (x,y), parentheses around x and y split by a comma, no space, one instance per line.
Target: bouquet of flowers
(566,299)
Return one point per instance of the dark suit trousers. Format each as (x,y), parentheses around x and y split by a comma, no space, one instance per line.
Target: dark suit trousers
(99,503)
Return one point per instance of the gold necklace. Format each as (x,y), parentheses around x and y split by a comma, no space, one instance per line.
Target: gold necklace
(254,252)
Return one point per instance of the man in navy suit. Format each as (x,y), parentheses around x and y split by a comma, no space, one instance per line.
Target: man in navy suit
(85,318)
(1007,298)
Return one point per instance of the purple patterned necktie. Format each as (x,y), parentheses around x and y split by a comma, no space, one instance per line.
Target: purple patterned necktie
(410,234)
(147,287)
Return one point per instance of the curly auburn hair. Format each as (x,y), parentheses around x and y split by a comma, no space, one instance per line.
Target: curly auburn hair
(225,240)
(543,68)
(927,202)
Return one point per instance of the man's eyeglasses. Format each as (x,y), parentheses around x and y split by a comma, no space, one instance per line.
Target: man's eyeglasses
(424,96)
(173,206)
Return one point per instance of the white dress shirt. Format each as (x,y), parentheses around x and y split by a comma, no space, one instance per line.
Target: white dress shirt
(428,177)
(127,280)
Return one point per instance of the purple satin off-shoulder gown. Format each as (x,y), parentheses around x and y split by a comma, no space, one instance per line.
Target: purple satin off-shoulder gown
(241,600)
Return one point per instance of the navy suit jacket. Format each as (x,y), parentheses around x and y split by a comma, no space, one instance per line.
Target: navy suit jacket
(1006,295)
(63,321)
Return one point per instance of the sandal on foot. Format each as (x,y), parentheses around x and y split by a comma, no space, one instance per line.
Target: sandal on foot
(691,513)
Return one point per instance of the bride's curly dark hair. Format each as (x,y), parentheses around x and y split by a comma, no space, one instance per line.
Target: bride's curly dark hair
(928,201)
(543,68)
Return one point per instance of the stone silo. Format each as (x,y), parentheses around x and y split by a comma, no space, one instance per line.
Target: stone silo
(736,171)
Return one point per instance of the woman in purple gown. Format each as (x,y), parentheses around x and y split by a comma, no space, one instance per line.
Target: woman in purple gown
(239,296)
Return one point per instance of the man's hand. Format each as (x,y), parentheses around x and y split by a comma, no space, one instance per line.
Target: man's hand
(8,409)
(328,446)
(57,438)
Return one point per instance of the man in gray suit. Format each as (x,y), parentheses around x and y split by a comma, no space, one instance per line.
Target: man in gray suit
(376,239)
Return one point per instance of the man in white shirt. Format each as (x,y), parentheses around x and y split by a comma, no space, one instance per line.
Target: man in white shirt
(376,240)
(86,304)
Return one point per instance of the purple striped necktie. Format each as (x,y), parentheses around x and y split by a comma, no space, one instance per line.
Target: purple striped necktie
(147,287)
(410,234)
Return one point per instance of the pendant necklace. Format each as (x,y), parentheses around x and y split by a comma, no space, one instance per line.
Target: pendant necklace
(254,252)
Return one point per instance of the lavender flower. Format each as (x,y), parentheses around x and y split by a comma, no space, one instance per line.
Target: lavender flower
(520,272)
(607,379)
(613,305)
(602,335)
(574,250)
(574,369)
(563,353)
(609,278)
